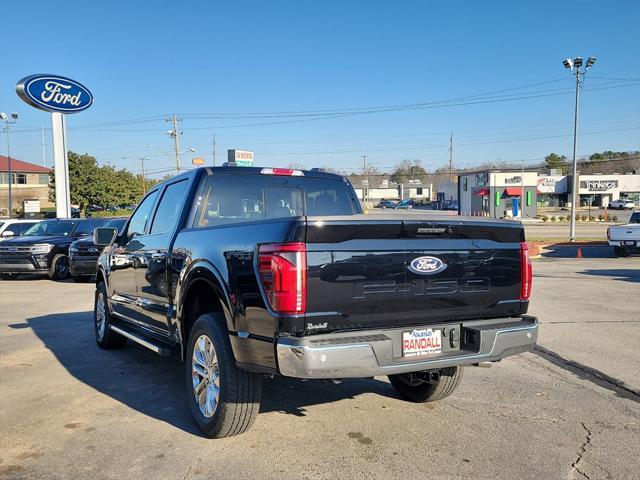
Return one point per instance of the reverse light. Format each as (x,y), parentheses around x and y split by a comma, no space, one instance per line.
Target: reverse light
(289,172)
(526,272)
(283,272)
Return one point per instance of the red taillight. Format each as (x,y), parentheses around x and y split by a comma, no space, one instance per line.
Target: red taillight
(526,272)
(609,233)
(283,271)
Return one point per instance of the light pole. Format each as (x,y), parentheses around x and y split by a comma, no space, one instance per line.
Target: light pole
(574,66)
(9,120)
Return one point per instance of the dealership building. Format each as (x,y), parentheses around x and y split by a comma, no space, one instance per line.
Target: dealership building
(519,193)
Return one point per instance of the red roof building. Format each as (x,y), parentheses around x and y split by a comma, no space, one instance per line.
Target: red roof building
(18,166)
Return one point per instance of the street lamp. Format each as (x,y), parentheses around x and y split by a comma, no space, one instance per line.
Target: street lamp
(9,120)
(574,66)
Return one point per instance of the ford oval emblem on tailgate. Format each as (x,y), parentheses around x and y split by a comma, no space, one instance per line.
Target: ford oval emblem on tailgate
(427,265)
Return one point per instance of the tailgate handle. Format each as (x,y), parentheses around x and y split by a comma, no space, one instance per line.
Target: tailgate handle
(431,230)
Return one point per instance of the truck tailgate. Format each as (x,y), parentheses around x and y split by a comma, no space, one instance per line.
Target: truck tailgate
(387,271)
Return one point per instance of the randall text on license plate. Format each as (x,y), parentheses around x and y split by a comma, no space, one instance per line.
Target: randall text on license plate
(426,341)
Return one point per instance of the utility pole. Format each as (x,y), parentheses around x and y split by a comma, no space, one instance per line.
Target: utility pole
(144,183)
(175,134)
(214,149)
(574,65)
(451,157)
(44,153)
(365,178)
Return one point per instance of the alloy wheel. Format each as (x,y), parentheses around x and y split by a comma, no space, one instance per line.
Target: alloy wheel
(205,376)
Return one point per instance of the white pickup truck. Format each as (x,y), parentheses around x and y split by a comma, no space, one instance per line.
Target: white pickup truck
(625,238)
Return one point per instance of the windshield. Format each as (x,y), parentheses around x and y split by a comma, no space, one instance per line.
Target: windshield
(635,217)
(52,228)
(116,223)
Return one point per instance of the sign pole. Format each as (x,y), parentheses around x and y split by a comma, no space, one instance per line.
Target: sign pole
(60,165)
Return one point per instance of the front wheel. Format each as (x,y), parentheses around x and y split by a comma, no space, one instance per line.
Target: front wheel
(413,388)
(224,400)
(59,268)
(105,337)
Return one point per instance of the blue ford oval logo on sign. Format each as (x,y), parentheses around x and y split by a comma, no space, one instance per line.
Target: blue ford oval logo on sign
(426,265)
(54,93)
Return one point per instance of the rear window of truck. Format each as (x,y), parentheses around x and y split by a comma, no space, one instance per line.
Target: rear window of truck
(242,198)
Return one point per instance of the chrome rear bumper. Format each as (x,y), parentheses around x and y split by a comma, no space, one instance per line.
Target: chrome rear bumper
(378,352)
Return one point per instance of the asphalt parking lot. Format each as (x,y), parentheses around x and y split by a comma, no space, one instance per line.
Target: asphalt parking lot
(570,409)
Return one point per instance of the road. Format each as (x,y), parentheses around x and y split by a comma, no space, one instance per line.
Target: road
(553,231)
(570,409)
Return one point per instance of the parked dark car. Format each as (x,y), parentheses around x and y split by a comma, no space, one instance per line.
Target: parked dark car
(43,248)
(84,253)
(242,272)
(386,204)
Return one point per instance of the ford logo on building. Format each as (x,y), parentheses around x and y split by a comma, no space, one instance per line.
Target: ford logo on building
(427,265)
(53,93)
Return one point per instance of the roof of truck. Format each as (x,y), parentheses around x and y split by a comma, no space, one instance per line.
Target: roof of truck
(226,170)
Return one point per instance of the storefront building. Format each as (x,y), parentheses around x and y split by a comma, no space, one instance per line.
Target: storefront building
(498,193)
(594,190)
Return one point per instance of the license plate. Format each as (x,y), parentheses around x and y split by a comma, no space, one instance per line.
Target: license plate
(421,342)
(629,242)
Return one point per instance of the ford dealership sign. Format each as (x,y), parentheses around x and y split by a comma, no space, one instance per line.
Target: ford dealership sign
(427,265)
(54,93)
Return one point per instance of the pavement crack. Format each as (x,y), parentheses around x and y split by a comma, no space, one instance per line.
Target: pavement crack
(588,373)
(186,474)
(575,466)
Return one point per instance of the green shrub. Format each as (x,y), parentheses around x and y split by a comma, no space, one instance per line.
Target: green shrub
(583,218)
(545,218)
(601,217)
(553,218)
(613,218)
(115,213)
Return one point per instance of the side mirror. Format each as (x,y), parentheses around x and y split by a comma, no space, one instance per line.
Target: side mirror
(8,233)
(103,236)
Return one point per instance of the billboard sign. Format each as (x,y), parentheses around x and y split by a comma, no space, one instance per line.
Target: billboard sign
(53,93)
(240,158)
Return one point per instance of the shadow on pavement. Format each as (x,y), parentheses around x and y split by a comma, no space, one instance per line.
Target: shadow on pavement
(621,274)
(154,385)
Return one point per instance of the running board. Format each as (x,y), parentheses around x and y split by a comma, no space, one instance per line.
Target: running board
(161,350)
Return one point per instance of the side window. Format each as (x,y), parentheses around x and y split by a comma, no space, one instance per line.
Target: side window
(169,208)
(139,219)
(84,228)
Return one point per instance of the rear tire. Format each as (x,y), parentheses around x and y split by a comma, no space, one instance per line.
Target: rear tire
(427,391)
(223,399)
(105,337)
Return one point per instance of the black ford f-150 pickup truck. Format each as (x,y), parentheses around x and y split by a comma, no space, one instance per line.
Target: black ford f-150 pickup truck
(250,271)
